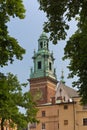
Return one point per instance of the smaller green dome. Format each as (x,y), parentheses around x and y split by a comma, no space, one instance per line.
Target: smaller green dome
(43,35)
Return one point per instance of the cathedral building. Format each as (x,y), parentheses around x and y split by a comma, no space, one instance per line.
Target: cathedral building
(59,105)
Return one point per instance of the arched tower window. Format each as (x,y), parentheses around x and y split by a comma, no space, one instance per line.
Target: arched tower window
(41,45)
(39,65)
(50,66)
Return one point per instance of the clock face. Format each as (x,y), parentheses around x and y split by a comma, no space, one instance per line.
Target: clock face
(38,95)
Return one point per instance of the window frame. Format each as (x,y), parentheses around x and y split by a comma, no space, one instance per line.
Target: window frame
(33,125)
(65,122)
(43,113)
(43,126)
(39,65)
(85,106)
(50,66)
(65,107)
(41,44)
(84,121)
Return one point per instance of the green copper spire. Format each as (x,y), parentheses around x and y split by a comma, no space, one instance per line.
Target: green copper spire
(43,59)
(62,77)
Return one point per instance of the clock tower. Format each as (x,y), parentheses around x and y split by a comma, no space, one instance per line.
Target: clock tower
(43,79)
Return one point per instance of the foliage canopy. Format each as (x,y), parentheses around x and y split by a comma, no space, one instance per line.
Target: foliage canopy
(9,46)
(11,95)
(59,13)
(11,99)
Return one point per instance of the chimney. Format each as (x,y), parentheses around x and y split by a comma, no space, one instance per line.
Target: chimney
(53,100)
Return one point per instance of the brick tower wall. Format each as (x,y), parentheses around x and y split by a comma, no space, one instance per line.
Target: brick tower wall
(46,86)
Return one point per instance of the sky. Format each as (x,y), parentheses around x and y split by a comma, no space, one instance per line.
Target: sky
(27,32)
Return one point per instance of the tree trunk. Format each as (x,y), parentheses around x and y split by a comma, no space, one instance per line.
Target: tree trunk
(2,124)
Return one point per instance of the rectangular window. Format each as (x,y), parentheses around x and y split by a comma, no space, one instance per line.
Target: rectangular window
(85,106)
(65,106)
(39,64)
(58,125)
(32,125)
(43,114)
(43,126)
(84,121)
(65,122)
